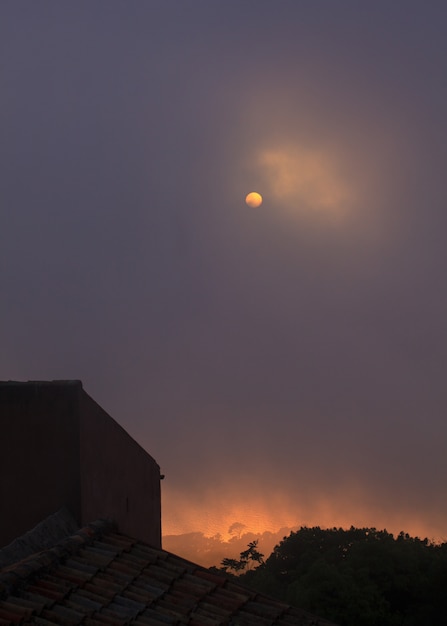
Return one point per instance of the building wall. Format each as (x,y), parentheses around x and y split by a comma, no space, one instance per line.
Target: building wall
(39,454)
(119,480)
(59,448)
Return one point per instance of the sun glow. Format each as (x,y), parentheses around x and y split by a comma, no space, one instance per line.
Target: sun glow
(214,516)
(304,181)
(210,529)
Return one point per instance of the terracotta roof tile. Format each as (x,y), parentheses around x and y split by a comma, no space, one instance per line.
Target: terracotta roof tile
(99,576)
(14,611)
(60,614)
(10,617)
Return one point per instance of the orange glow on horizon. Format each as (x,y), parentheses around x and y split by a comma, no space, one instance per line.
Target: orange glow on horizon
(181,516)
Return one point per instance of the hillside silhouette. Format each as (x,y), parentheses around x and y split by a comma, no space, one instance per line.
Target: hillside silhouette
(209,551)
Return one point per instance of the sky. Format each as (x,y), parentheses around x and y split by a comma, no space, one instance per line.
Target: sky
(285,365)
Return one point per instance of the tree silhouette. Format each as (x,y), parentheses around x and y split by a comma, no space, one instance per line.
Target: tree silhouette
(246,560)
(236,529)
(355,577)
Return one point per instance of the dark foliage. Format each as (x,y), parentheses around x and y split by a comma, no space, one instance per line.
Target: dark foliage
(358,577)
(246,558)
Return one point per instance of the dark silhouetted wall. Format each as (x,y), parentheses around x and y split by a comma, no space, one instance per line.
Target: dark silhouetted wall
(59,448)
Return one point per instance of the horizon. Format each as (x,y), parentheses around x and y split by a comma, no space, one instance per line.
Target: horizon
(210,550)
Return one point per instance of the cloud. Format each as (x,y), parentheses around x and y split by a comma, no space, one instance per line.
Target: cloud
(304,181)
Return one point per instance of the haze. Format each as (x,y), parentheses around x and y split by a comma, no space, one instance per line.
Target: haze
(284,365)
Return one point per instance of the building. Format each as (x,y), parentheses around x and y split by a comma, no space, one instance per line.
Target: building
(59,448)
(81,530)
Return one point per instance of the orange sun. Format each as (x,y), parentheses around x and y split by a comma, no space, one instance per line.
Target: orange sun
(253,199)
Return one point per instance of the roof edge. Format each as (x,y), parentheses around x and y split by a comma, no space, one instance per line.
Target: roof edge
(42,383)
(20,572)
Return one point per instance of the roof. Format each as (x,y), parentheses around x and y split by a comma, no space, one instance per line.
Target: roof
(45,535)
(99,576)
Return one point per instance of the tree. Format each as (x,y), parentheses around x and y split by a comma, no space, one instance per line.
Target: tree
(247,558)
(355,577)
(236,529)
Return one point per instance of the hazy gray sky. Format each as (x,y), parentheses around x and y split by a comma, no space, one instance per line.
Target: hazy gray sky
(284,364)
